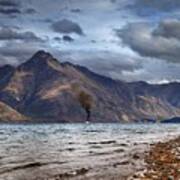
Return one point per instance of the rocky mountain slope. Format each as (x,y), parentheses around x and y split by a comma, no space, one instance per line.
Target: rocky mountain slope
(8,114)
(43,89)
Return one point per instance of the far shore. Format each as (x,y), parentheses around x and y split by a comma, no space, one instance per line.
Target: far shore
(34,122)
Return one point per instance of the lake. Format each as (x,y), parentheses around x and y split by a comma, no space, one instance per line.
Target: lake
(47,150)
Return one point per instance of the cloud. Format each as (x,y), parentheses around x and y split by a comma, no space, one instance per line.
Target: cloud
(14,7)
(154,43)
(16,52)
(7,34)
(30,11)
(77,10)
(58,39)
(68,38)
(149,7)
(65,38)
(169,28)
(103,62)
(9,11)
(10,7)
(9,3)
(154,71)
(66,26)
(44,20)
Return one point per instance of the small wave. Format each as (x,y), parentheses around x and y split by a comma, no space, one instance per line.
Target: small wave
(103,142)
(28,165)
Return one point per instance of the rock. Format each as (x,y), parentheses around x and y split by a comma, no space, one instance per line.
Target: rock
(136,156)
(81,171)
(135,176)
(119,150)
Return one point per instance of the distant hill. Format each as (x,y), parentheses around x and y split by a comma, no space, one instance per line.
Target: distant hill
(172,120)
(43,89)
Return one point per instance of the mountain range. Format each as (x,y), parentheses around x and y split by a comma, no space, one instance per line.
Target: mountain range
(44,89)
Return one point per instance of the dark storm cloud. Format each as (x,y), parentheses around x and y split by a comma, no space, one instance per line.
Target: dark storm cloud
(13,7)
(149,7)
(76,10)
(9,3)
(9,11)
(68,38)
(30,11)
(152,43)
(12,34)
(65,38)
(66,26)
(169,29)
(10,7)
(57,39)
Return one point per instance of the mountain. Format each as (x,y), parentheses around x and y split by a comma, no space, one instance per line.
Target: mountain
(172,120)
(43,89)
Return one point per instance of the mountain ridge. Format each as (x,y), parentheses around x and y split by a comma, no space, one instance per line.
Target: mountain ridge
(46,90)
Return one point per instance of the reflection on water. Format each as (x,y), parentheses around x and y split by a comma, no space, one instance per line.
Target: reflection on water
(52,148)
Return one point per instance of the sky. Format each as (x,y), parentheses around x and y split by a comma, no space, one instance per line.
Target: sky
(131,40)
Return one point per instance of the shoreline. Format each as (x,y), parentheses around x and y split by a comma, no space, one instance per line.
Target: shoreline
(162,162)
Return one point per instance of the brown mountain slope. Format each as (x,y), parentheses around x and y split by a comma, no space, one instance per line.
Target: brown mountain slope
(46,90)
(8,114)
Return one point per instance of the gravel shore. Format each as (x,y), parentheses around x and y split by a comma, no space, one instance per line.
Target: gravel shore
(163,162)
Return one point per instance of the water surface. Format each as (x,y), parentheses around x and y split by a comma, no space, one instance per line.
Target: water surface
(45,150)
